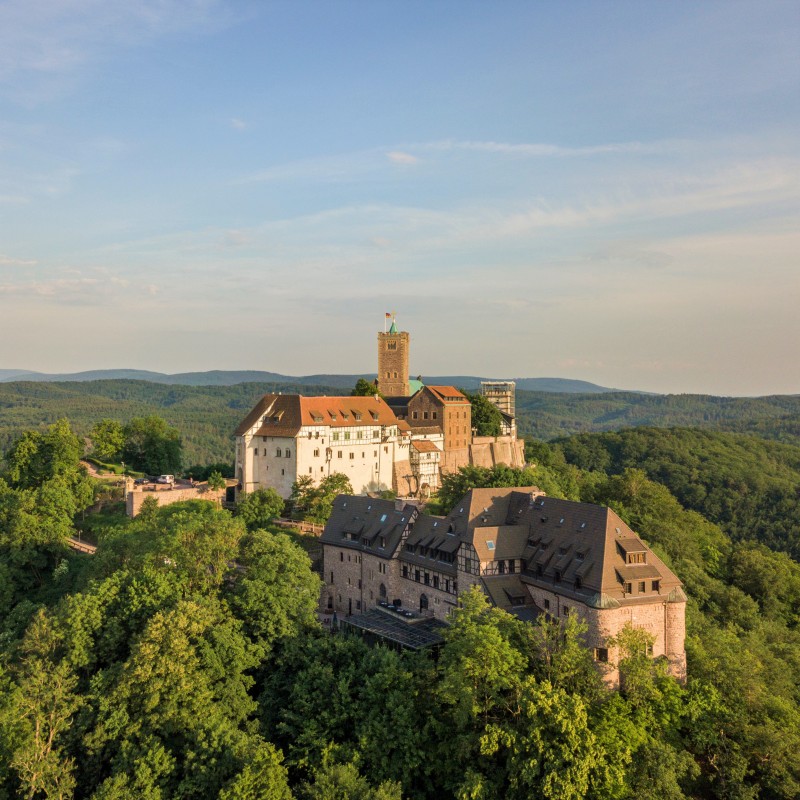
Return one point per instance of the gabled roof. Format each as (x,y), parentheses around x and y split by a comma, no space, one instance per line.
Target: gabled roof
(448,394)
(367,523)
(285,414)
(425,446)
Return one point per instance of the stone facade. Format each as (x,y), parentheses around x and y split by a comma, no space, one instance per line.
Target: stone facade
(529,553)
(393,351)
(134,497)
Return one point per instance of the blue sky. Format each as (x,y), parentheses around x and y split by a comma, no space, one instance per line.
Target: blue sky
(598,190)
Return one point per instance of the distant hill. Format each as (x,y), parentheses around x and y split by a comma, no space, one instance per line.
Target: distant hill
(234,377)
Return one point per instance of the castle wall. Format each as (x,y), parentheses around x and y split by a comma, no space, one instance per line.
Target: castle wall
(165,497)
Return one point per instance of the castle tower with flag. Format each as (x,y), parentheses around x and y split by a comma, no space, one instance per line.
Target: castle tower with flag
(393,347)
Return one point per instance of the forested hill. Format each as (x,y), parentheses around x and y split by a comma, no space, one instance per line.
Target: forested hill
(547,416)
(206,416)
(748,486)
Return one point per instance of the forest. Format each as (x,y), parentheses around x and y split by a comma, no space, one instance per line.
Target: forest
(207,415)
(184,659)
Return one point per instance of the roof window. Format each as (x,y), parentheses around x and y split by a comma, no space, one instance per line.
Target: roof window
(383,517)
(490,544)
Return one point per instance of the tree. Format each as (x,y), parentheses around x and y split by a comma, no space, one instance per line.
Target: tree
(456,484)
(276,595)
(108,439)
(486,416)
(364,388)
(257,509)
(315,503)
(44,705)
(344,782)
(216,481)
(152,446)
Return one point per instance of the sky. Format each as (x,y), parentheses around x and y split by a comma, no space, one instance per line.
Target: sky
(607,191)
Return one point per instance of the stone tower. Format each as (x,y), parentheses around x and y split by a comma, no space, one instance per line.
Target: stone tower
(393,362)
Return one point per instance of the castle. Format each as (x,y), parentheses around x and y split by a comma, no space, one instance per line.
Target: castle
(392,572)
(401,442)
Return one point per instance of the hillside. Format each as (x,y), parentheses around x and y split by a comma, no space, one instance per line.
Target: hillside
(547,416)
(233,377)
(208,415)
(746,485)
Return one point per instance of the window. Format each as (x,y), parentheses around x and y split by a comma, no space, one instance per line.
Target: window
(601,654)
(383,542)
(637,558)
(628,587)
(288,454)
(416,575)
(489,544)
(564,611)
(557,577)
(512,565)
(641,587)
(347,434)
(578,582)
(316,453)
(433,415)
(283,472)
(501,567)
(336,436)
(391,346)
(376,435)
(341,556)
(352,456)
(413,415)
(656,586)
(278,452)
(405,571)
(310,470)
(546,605)
(255,452)
(339,454)
(424,415)
(435,581)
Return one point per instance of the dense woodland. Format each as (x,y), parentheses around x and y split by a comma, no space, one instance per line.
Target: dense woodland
(207,415)
(184,660)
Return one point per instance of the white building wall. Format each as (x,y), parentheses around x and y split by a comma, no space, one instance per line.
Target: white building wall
(364,453)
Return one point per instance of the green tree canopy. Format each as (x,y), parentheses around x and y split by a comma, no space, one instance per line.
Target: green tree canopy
(364,388)
(258,508)
(108,439)
(486,417)
(152,446)
(456,484)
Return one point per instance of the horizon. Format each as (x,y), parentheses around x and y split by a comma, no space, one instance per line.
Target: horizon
(600,193)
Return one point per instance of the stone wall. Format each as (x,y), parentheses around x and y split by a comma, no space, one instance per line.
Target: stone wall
(393,363)
(165,497)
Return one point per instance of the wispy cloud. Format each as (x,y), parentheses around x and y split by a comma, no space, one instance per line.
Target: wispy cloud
(545,150)
(7,261)
(54,36)
(238,124)
(399,157)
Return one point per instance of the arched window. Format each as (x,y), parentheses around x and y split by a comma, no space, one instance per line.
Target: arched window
(278,452)
(423,602)
(382,592)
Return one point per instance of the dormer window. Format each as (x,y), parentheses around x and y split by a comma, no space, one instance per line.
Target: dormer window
(637,558)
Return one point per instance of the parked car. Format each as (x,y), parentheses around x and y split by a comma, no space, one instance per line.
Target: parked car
(170,479)
(141,481)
